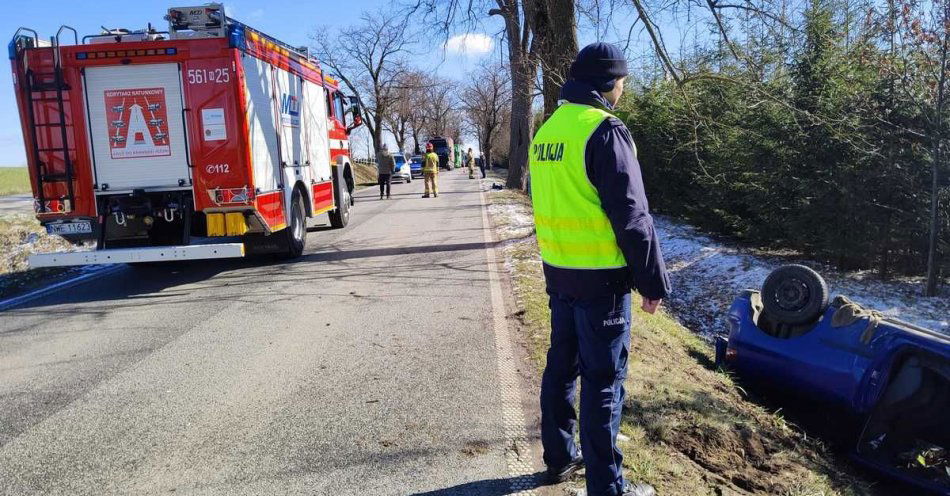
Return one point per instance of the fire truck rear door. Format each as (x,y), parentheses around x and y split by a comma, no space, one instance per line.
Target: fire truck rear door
(136,127)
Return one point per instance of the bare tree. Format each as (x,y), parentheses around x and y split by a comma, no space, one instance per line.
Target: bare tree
(519,34)
(369,58)
(440,106)
(399,114)
(487,101)
(555,28)
(518,16)
(928,34)
(417,84)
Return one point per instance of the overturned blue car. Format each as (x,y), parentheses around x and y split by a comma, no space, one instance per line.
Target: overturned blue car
(886,381)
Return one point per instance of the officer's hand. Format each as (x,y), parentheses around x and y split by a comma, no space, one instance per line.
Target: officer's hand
(649,306)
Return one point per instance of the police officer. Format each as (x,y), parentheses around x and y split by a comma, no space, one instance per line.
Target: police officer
(597,243)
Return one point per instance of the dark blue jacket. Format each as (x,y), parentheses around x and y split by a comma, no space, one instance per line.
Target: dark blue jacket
(613,169)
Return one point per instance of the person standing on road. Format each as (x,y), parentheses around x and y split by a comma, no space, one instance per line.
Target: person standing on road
(481,165)
(470,162)
(385,165)
(597,243)
(430,171)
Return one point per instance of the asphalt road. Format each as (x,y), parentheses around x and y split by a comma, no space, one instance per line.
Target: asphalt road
(367,367)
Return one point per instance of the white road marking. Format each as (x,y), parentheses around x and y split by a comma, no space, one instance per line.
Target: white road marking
(517,448)
(90,274)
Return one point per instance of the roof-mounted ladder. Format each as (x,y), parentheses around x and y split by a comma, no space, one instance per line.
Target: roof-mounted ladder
(38,87)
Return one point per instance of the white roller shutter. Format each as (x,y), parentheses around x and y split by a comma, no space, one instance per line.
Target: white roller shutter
(136,127)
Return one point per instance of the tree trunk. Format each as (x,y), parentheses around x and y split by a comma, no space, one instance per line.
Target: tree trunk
(521,124)
(932,272)
(415,142)
(522,72)
(932,269)
(884,268)
(400,136)
(485,146)
(377,133)
(556,30)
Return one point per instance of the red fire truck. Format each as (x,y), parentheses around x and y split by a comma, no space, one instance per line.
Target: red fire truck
(187,144)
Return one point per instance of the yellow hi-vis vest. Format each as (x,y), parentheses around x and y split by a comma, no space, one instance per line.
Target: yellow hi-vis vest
(572,229)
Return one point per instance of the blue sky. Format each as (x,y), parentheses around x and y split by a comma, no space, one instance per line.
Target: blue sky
(287,20)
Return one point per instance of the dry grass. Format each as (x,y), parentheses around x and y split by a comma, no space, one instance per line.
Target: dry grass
(14,180)
(365,173)
(690,430)
(21,235)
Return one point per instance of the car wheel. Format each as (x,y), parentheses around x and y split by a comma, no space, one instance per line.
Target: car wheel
(795,295)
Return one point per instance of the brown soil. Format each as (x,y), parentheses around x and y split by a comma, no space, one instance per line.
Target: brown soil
(679,404)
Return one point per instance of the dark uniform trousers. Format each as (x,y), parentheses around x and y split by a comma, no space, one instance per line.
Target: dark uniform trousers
(590,338)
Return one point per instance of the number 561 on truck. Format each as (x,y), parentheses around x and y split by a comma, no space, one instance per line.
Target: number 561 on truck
(193,143)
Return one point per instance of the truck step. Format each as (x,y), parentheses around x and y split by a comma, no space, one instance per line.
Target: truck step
(134,255)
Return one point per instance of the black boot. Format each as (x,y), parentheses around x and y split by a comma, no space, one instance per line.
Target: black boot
(637,489)
(561,474)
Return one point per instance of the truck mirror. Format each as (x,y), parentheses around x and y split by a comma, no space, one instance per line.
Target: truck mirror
(357,114)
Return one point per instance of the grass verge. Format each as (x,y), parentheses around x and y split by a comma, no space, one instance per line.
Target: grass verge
(20,236)
(687,428)
(14,181)
(365,174)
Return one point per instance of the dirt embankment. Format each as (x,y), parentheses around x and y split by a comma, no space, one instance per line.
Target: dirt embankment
(687,428)
(365,173)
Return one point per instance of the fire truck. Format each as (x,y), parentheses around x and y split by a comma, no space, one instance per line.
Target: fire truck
(199,142)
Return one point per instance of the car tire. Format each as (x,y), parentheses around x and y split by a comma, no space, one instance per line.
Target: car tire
(795,294)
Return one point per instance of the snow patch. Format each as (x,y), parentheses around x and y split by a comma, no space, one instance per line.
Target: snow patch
(708,274)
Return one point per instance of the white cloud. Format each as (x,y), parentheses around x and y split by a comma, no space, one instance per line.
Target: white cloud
(469,44)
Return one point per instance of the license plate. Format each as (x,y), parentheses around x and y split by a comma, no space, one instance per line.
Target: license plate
(77,227)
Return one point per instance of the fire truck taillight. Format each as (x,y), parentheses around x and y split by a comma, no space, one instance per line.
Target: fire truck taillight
(230,196)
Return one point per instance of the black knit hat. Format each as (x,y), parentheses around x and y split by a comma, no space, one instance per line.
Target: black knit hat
(599,64)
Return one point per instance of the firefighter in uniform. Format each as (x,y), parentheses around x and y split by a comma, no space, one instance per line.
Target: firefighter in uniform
(430,171)
(470,162)
(597,243)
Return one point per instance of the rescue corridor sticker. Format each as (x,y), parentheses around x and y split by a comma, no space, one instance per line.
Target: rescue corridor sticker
(138,123)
